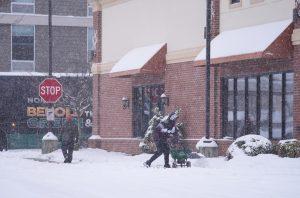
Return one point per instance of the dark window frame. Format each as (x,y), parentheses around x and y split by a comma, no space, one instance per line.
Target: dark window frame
(224,81)
(235,1)
(16,44)
(140,134)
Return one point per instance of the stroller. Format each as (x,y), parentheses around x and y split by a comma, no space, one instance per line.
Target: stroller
(180,157)
(178,152)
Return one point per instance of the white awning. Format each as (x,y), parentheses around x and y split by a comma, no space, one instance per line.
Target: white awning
(139,60)
(239,43)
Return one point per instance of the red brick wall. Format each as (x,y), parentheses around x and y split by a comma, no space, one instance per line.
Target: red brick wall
(215,19)
(115,122)
(184,86)
(97,24)
(130,146)
(296,67)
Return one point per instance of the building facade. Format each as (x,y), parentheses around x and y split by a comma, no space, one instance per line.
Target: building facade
(147,48)
(24,62)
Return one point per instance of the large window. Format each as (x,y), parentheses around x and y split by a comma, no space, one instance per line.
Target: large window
(90,43)
(22,6)
(89,9)
(259,105)
(22,48)
(90,36)
(145,99)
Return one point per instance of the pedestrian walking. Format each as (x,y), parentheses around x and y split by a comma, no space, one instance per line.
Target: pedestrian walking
(3,140)
(69,136)
(163,131)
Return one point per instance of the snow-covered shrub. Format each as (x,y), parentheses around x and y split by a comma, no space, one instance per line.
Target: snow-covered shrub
(288,148)
(250,145)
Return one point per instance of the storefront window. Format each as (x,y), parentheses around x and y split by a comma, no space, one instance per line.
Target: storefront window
(264,106)
(145,99)
(229,131)
(289,105)
(240,107)
(277,106)
(252,105)
(259,105)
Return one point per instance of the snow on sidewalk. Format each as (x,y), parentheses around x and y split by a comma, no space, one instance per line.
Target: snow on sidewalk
(101,174)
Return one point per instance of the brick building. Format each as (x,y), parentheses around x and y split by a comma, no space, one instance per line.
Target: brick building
(150,47)
(24,59)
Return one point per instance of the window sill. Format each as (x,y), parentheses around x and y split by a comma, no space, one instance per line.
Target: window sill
(235,5)
(256,1)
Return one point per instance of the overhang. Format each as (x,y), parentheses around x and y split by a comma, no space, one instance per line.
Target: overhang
(144,60)
(271,40)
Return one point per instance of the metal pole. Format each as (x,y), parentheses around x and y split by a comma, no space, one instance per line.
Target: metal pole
(208,39)
(50,36)
(50,53)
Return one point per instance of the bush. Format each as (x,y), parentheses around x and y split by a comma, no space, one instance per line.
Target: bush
(250,145)
(288,148)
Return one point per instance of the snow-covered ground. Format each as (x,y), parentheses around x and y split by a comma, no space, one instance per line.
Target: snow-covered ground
(101,174)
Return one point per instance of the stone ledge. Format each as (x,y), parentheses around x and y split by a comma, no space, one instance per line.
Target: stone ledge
(296,37)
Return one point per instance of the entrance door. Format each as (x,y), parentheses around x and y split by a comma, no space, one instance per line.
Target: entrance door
(145,99)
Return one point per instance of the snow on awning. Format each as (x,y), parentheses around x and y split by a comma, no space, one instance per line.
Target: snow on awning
(147,60)
(271,40)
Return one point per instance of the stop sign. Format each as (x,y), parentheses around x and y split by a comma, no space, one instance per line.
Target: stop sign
(50,90)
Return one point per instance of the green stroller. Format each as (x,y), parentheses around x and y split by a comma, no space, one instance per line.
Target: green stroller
(180,157)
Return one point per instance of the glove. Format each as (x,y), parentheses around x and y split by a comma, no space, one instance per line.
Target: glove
(164,130)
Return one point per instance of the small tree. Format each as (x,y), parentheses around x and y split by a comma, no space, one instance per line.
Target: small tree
(78,96)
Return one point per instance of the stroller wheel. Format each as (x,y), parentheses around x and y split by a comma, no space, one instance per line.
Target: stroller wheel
(188,164)
(174,165)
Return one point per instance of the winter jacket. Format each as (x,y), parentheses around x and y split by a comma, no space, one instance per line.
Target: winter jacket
(69,133)
(163,131)
(3,140)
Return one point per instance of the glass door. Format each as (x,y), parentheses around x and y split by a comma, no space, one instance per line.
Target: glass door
(145,99)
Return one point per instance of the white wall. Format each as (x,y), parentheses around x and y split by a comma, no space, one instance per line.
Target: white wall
(137,23)
(251,13)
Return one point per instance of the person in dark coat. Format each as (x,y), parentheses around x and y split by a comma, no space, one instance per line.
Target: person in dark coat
(161,134)
(69,136)
(3,140)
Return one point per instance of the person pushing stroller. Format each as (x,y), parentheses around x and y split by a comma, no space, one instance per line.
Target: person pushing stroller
(163,131)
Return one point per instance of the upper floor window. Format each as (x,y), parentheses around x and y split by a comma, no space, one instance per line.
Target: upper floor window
(22,6)
(22,48)
(90,43)
(235,1)
(90,9)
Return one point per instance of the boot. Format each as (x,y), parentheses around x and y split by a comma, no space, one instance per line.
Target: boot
(147,164)
(167,166)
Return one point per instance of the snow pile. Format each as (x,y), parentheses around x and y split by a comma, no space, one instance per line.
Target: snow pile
(250,145)
(288,148)
(96,174)
(204,142)
(49,136)
(95,137)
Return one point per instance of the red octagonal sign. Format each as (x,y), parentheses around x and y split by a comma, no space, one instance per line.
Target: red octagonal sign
(50,90)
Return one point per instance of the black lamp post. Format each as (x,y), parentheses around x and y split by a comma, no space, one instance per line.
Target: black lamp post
(208,39)
(50,36)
